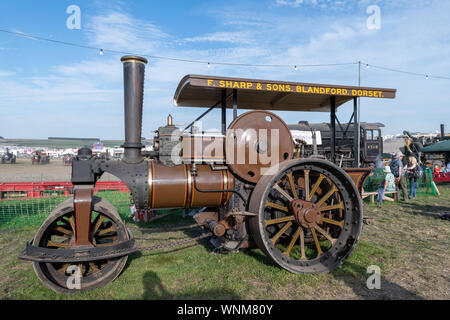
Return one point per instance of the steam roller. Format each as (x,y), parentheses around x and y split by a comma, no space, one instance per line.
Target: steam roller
(303,213)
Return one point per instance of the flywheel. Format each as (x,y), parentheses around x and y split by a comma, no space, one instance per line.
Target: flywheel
(256,141)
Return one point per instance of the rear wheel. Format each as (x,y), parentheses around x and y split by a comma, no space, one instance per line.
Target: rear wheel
(309,216)
(57,232)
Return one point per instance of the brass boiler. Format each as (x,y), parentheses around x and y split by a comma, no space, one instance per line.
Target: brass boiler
(177,187)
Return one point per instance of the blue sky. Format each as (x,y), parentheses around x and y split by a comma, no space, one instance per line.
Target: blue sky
(51,90)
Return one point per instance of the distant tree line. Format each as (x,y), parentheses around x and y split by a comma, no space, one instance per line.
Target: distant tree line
(78,139)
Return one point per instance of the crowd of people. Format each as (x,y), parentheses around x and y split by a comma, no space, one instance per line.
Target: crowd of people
(438,169)
(397,175)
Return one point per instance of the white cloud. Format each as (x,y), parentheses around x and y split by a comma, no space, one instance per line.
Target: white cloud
(104,69)
(292,3)
(118,30)
(237,37)
(340,5)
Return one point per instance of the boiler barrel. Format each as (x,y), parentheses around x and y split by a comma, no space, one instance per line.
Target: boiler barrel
(173,187)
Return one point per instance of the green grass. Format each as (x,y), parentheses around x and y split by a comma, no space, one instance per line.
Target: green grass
(408,241)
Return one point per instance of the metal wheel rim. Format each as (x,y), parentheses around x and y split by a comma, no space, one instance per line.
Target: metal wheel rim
(53,276)
(343,243)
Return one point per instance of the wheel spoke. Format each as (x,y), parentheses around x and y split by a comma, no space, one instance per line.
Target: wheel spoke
(98,222)
(302,245)
(331,221)
(316,241)
(325,197)
(56,244)
(278,220)
(282,192)
(72,223)
(339,205)
(80,269)
(292,185)
(278,235)
(64,268)
(316,186)
(307,195)
(325,234)
(294,239)
(64,230)
(276,206)
(93,267)
(105,231)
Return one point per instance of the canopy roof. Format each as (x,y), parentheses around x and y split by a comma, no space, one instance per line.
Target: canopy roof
(206,91)
(441,146)
(304,125)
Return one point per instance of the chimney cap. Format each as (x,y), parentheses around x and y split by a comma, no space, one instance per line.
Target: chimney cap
(134,59)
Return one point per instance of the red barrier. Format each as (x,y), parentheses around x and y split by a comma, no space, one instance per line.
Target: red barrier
(36,190)
(441,177)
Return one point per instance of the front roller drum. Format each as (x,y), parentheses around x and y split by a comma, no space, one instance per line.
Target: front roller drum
(58,232)
(309,215)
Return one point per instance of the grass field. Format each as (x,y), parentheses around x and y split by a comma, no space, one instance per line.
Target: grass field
(407,240)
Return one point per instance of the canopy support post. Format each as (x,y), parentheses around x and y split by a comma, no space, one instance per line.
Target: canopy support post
(333,128)
(224,111)
(356,150)
(234,104)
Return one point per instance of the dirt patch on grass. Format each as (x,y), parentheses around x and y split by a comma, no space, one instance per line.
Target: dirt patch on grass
(24,171)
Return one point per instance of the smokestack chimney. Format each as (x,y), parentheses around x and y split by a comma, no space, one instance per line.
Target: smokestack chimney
(442,131)
(133,76)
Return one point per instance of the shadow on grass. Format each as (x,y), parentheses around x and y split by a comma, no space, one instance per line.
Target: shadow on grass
(388,290)
(155,290)
(354,275)
(427,210)
(259,256)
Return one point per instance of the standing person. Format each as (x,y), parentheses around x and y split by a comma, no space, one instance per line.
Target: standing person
(399,173)
(388,184)
(412,172)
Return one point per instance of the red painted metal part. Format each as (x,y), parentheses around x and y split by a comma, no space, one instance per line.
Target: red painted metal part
(37,190)
(82,203)
(441,177)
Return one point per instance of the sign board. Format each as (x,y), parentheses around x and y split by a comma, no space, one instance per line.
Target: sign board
(295,88)
(307,136)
